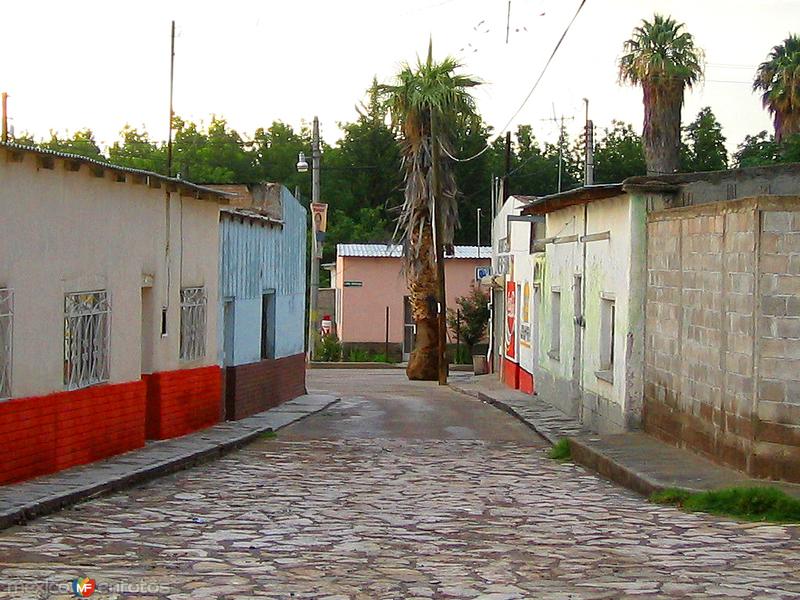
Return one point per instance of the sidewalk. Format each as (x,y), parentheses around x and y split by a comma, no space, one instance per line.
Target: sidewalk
(27,500)
(635,460)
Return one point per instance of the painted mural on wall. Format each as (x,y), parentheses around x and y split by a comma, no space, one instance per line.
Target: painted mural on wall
(525,322)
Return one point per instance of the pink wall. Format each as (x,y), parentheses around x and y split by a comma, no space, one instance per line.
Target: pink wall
(362,315)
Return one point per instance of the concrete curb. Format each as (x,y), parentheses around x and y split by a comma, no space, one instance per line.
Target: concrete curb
(506,409)
(590,458)
(207,451)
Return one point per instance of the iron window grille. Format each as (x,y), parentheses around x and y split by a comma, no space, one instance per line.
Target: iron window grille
(6,339)
(193,323)
(87,324)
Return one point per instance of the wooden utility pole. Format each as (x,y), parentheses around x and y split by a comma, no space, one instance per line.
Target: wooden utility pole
(438,231)
(171,113)
(507,175)
(5,117)
(588,177)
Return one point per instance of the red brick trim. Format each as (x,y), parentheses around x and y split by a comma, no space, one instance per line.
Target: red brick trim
(526,383)
(45,434)
(510,373)
(180,402)
(252,388)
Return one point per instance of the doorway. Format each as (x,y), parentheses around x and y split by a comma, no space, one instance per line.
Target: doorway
(409,329)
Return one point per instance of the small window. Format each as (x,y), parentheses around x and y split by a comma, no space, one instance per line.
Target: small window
(6,339)
(608,317)
(268,326)
(555,325)
(193,323)
(87,320)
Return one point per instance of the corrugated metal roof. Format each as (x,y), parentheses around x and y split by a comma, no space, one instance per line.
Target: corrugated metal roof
(396,251)
(200,190)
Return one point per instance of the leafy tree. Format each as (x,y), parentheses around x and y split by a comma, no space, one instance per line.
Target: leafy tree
(474,316)
(426,104)
(275,156)
(619,154)
(136,151)
(216,155)
(704,145)
(662,58)
(81,143)
(779,80)
(762,149)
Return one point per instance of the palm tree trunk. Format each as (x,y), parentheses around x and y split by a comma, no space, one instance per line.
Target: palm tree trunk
(423,364)
(662,126)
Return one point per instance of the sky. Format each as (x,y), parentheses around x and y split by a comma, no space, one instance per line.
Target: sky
(104,64)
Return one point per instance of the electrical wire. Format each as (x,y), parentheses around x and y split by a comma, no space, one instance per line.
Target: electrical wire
(530,93)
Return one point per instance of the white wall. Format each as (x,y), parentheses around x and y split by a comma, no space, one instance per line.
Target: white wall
(64,231)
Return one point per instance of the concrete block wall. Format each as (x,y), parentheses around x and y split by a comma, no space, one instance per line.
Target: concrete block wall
(722,326)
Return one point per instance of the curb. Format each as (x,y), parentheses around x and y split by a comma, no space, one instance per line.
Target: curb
(43,506)
(506,409)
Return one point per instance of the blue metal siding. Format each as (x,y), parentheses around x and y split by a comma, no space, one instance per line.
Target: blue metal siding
(257,257)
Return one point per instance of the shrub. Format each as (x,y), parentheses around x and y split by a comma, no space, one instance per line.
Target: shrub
(357,355)
(474,310)
(330,349)
(561,451)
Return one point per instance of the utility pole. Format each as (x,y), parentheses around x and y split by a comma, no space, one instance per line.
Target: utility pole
(314,286)
(438,230)
(171,113)
(479,233)
(5,117)
(588,177)
(560,122)
(508,21)
(507,176)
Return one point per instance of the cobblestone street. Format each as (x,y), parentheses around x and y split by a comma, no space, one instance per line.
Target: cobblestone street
(401,490)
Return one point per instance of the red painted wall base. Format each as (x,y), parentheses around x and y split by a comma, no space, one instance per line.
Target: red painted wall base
(45,434)
(526,383)
(180,402)
(511,374)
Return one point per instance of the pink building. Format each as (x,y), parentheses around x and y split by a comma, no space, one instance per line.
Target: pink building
(368,278)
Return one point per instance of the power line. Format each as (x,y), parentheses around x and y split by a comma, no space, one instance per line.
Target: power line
(533,88)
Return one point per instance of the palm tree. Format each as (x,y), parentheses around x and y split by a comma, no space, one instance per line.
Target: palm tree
(779,80)
(662,58)
(426,104)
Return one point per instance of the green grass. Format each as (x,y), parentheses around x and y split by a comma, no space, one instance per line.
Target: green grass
(561,451)
(357,355)
(747,503)
(269,435)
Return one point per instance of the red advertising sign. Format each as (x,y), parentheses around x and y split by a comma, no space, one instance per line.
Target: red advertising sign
(511,321)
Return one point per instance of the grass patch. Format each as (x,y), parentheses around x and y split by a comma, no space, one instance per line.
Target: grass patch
(747,503)
(561,451)
(269,435)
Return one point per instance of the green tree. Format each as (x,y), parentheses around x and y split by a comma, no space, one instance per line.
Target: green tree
(275,156)
(214,155)
(703,148)
(427,103)
(81,143)
(778,78)
(663,59)
(762,149)
(136,151)
(471,317)
(619,154)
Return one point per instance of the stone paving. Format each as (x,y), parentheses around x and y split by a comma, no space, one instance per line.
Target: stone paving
(400,515)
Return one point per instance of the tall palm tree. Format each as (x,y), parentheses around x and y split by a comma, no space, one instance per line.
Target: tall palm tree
(426,104)
(779,80)
(662,58)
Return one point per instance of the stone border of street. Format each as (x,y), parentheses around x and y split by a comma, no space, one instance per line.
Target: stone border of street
(22,502)
(633,460)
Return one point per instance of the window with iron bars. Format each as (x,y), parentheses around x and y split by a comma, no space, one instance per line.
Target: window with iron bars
(87,325)
(193,323)
(6,339)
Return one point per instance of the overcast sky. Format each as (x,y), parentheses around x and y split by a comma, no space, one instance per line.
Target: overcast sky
(102,64)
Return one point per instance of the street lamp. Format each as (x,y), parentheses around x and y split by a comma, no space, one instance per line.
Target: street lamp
(313,292)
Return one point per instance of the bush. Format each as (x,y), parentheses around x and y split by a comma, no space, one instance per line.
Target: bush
(330,349)
(382,358)
(474,310)
(749,503)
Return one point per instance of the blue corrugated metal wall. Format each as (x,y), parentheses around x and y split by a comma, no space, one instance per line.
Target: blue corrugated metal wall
(257,257)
